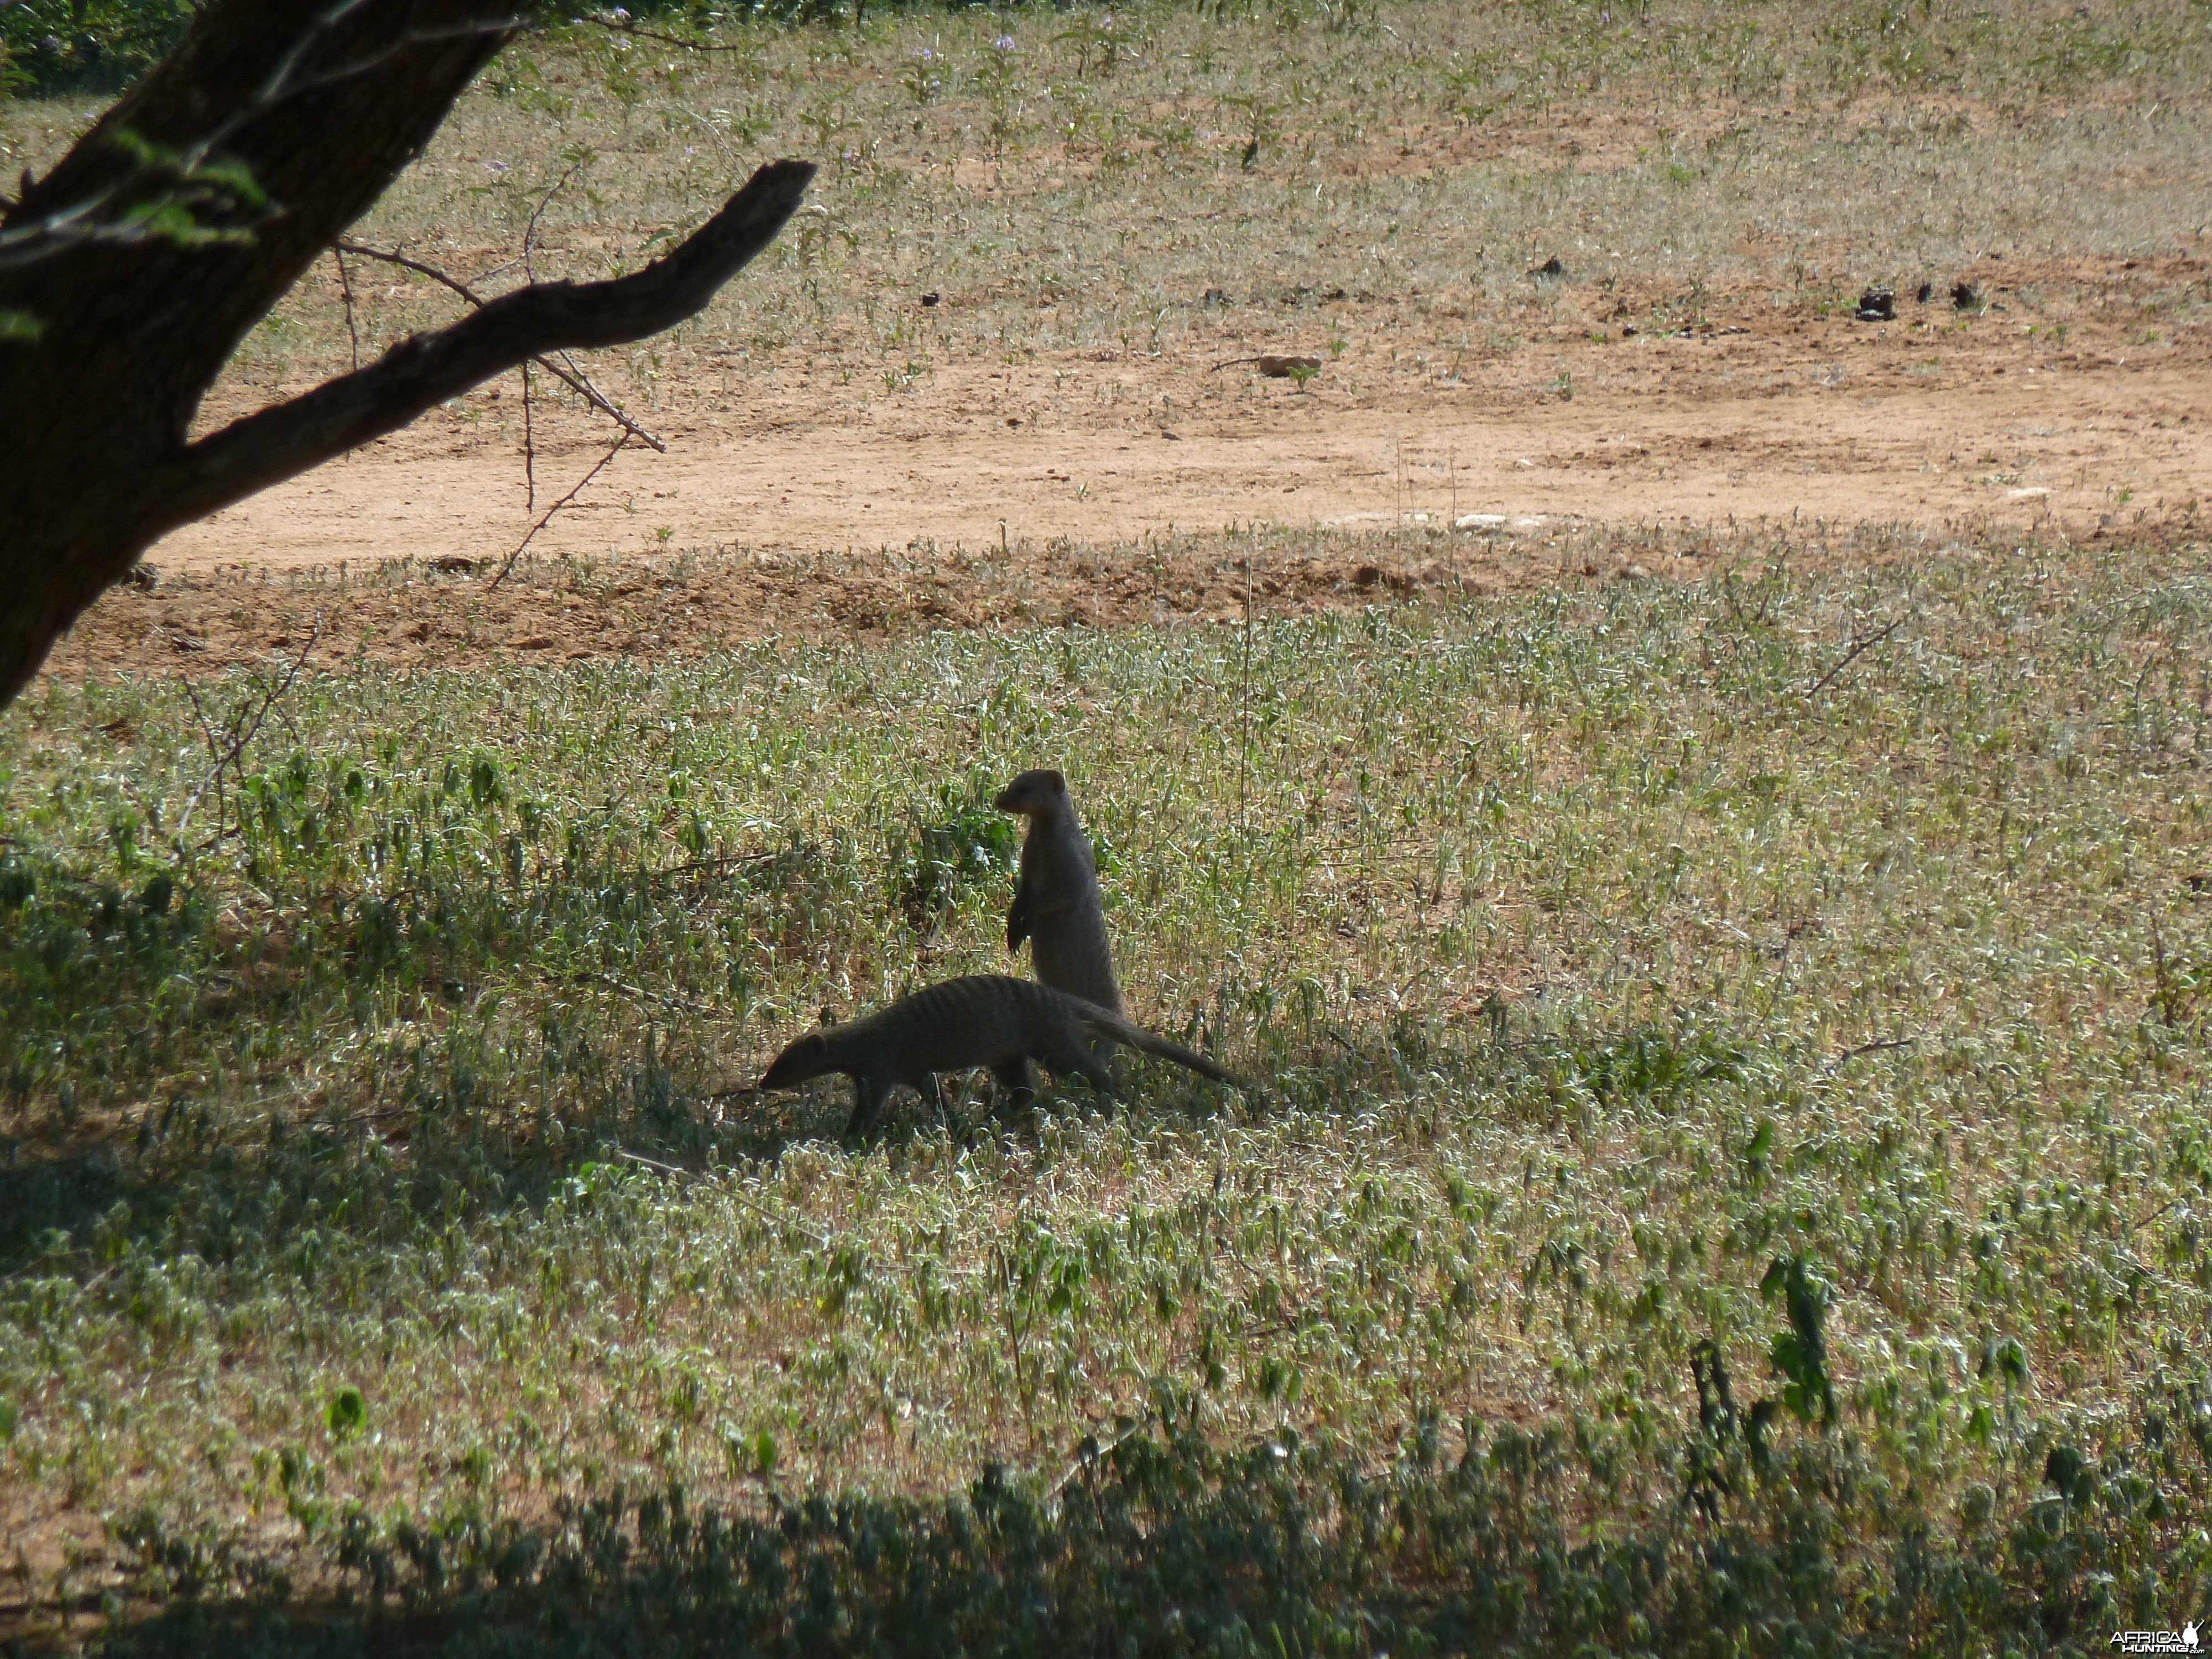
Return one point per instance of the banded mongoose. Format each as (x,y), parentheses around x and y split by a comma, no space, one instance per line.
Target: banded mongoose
(992,1020)
(1056,906)
(1272,367)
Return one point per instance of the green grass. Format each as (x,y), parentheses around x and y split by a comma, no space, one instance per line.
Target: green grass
(1599,971)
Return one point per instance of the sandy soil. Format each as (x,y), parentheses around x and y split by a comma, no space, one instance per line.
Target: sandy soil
(989,492)
(1934,416)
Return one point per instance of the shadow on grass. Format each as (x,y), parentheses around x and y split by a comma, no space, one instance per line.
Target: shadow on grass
(186,1184)
(188,1177)
(133,995)
(1163,1545)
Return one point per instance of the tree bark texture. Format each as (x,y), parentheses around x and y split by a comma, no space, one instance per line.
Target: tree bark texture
(323,106)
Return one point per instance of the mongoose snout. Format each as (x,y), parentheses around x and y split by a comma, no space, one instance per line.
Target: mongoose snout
(1030,789)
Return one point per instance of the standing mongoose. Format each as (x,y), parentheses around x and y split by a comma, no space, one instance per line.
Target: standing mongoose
(985,1020)
(1056,906)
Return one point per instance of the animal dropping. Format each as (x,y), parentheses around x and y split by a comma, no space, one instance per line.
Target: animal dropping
(989,1020)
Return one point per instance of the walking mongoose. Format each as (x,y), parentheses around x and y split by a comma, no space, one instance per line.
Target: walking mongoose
(1273,368)
(992,1020)
(1056,906)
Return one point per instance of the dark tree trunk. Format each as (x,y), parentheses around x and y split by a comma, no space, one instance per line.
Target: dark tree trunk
(322,106)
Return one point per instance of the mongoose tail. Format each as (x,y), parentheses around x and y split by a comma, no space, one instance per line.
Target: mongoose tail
(990,1020)
(1108,1024)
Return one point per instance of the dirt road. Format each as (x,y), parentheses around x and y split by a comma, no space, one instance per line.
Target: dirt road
(1933,418)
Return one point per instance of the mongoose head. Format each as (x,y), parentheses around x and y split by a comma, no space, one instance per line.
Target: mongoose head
(801,1062)
(1040,790)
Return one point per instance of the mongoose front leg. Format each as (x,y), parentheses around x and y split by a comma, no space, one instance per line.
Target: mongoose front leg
(1013,1076)
(1099,1072)
(1024,913)
(868,1095)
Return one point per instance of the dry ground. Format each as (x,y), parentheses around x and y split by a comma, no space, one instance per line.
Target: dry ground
(976,380)
(1762,412)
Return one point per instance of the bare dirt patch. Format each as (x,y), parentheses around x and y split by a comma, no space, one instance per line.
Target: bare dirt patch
(447,613)
(1935,416)
(1591,276)
(1097,490)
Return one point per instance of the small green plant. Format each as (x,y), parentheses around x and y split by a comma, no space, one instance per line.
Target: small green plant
(969,843)
(1799,1353)
(347,1412)
(923,74)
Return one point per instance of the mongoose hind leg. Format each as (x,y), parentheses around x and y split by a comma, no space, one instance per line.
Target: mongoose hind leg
(1094,1062)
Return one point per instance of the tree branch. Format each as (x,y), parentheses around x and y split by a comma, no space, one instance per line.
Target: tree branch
(188,178)
(281,441)
(565,371)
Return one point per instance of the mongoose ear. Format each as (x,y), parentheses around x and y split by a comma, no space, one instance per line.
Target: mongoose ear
(1056,783)
(815,1045)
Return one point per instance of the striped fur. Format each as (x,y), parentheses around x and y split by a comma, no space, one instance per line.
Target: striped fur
(989,1020)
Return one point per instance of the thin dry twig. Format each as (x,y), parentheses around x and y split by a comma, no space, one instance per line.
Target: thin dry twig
(394,257)
(538,213)
(1877,1046)
(581,383)
(1860,644)
(529,443)
(620,26)
(228,749)
(546,517)
(2167,1208)
(345,293)
(2170,994)
(677,1004)
(623,1152)
(1092,1453)
(821,1241)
